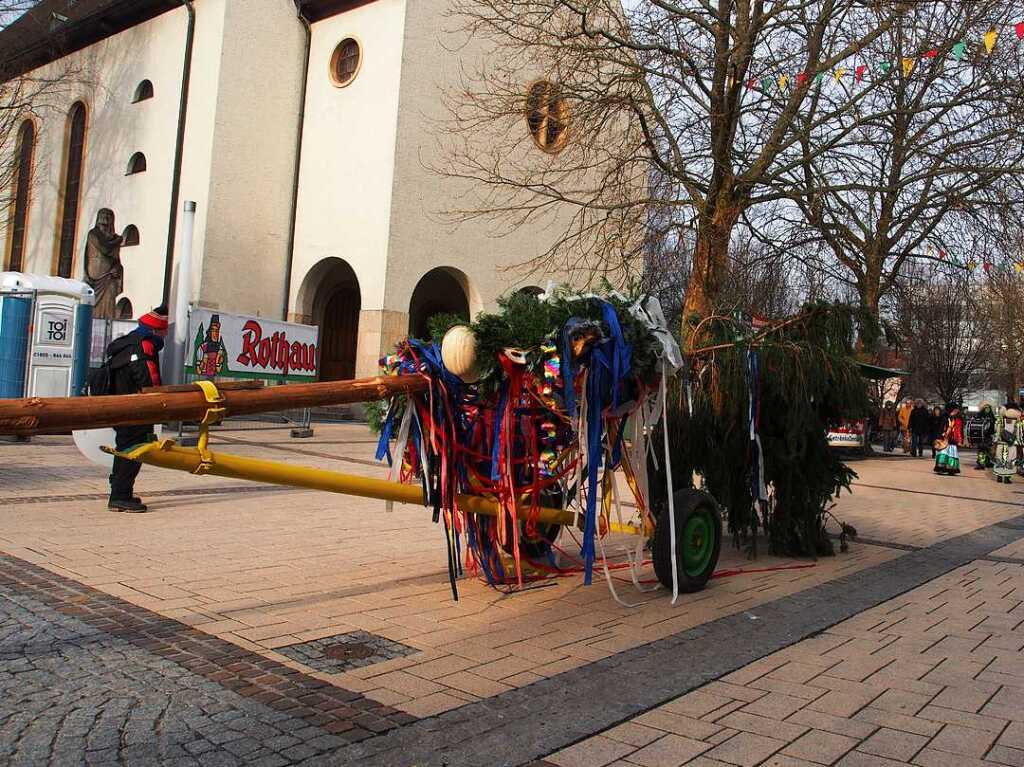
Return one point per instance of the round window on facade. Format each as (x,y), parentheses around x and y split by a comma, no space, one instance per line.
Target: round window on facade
(547,116)
(345,62)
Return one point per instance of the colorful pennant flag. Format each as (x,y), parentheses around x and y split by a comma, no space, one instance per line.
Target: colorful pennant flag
(840,72)
(959,49)
(987,267)
(971,266)
(783,82)
(1019,29)
(859,75)
(908,67)
(1018,267)
(990,40)
(801,78)
(933,53)
(885,66)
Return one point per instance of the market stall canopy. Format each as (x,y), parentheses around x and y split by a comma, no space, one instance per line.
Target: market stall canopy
(878,373)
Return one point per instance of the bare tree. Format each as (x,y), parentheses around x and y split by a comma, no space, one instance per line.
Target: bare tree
(24,96)
(942,331)
(923,159)
(703,95)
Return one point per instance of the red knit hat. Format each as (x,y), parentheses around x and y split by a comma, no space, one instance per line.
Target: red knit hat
(156,319)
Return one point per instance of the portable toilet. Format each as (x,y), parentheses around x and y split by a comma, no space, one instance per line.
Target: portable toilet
(45,333)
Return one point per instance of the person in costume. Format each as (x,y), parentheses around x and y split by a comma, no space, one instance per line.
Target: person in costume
(985,427)
(904,418)
(936,426)
(211,354)
(948,459)
(1008,440)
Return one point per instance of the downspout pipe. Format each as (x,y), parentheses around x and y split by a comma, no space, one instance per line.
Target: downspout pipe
(179,146)
(286,298)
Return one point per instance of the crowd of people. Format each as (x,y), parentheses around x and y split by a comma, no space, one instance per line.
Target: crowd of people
(998,437)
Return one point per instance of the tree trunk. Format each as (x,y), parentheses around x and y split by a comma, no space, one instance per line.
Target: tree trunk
(710,263)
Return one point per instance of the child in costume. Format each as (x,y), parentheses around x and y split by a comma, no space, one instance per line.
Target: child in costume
(948,459)
(1008,440)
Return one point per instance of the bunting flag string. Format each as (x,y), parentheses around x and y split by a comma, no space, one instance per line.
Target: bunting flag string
(989,40)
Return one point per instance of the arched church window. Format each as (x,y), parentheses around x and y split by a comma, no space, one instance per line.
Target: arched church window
(547,116)
(72,188)
(345,62)
(131,236)
(143,91)
(21,183)
(137,164)
(124,309)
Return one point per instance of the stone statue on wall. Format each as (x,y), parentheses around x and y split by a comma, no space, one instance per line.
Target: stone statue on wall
(103,269)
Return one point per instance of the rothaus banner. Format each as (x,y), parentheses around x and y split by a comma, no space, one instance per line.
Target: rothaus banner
(227,345)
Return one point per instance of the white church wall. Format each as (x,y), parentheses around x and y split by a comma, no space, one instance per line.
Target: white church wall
(347,164)
(105,76)
(251,158)
(422,235)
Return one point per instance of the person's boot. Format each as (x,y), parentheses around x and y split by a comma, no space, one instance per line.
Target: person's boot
(132,505)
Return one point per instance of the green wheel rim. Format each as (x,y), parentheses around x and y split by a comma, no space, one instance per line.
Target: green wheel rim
(698,543)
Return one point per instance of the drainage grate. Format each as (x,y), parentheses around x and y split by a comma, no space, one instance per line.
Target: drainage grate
(342,652)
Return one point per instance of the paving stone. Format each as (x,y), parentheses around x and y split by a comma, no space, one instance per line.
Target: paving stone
(668,751)
(746,749)
(839,725)
(820,747)
(1012,757)
(966,741)
(597,751)
(893,744)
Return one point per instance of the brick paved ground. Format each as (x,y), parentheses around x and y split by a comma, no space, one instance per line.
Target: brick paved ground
(933,678)
(251,570)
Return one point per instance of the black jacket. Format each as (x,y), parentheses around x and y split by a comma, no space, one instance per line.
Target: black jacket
(920,421)
(134,362)
(936,426)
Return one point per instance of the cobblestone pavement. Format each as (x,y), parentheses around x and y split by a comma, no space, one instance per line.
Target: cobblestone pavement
(190,612)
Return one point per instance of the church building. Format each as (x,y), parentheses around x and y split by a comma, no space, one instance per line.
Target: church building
(307,132)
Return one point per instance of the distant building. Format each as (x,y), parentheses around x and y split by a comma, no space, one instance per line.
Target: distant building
(304,138)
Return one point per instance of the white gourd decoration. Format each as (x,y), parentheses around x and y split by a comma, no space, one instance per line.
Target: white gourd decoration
(458,352)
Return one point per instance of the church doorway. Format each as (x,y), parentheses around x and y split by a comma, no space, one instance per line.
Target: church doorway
(439,291)
(336,308)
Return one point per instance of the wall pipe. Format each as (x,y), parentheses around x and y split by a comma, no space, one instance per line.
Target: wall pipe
(286,300)
(179,146)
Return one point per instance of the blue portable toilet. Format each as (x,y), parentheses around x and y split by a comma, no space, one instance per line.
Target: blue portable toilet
(45,333)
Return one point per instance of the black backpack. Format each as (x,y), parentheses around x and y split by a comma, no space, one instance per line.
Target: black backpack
(120,353)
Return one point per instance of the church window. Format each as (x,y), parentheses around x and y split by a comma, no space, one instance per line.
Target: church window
(143,91)
(21,181)
(137,164)
(547,116)
(71,191)
(131,235)
(345,62)
(124,309)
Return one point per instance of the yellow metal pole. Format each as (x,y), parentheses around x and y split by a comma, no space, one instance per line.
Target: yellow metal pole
(168,455)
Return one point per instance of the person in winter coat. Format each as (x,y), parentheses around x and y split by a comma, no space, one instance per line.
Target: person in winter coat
(920,428)
(888,425)
(134,365)
(936,426)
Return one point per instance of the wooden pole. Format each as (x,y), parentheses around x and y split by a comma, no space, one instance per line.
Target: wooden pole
(56,415)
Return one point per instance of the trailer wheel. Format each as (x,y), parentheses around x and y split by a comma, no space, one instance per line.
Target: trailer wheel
(698,541)
(535,548)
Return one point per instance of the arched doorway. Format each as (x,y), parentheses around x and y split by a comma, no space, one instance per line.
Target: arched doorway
(439,291)
(335,308)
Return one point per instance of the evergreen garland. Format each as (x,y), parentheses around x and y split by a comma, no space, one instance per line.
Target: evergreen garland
(809,376)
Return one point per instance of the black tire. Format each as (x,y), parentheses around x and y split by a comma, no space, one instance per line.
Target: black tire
(535,548)
(697,516)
